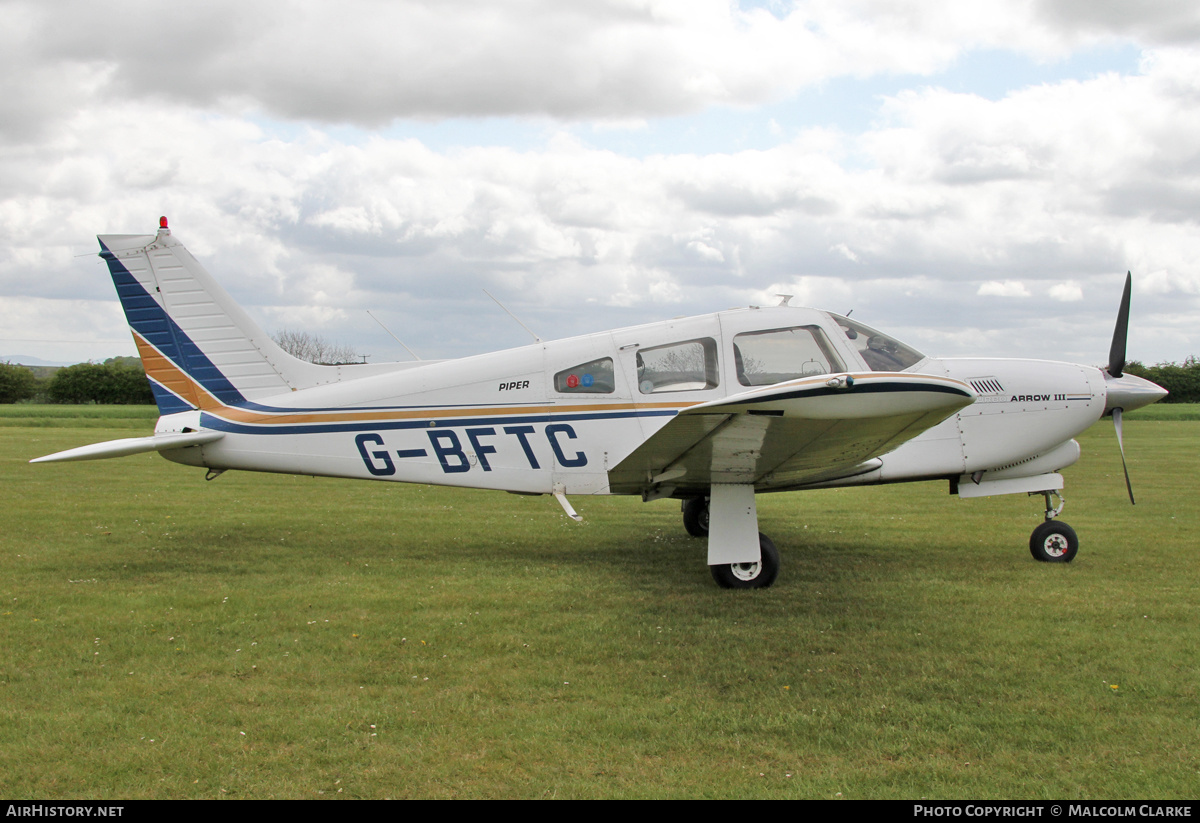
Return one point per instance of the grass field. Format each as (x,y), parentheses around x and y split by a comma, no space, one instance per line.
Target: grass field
(271,636)
(28,415)
(1167,411)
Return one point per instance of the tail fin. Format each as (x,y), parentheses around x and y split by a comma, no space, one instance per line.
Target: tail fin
(199,348)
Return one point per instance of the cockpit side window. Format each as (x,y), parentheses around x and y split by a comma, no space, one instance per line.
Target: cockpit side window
(763,358)
(881,352)
(687,366)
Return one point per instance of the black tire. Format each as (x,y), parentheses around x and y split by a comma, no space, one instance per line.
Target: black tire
(750,575)
(1053,542)
(695,516)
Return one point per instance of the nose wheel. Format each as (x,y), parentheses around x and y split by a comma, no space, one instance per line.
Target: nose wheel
(1053,541)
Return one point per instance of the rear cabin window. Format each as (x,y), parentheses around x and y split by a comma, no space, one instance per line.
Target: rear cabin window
(595,377)
(763,358)
(687,366)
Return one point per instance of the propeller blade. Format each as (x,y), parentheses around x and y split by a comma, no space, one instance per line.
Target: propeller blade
(1116,353)
(1116,416)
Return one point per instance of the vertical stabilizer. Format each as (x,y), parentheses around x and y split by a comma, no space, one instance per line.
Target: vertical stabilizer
(199,348)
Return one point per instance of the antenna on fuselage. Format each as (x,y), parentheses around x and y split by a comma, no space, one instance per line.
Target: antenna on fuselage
(394,337)
(784,299)
(513,316)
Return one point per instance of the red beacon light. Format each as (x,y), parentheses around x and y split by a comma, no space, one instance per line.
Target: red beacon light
(162,222)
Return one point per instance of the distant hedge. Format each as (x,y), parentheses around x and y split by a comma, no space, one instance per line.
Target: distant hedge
(119,381)
(16,383)
(1182,380)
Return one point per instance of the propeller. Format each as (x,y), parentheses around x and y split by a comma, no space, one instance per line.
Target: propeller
(1116,372)
(1116,352)
(1116,416)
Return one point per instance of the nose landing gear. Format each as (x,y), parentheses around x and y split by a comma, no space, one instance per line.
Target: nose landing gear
(1053,541)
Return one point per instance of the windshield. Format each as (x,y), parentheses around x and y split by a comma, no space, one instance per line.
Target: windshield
(882,353)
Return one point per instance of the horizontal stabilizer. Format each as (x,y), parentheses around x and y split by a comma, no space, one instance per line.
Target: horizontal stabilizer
(132,445)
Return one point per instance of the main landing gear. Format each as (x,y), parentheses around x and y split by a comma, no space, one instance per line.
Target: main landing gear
(695,516)
(731,557)
(750,575)
(1053,541)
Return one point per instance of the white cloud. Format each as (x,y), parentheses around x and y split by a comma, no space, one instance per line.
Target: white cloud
(1054,189)
(369,61)
(307,318)
(1160,21)
(705,251)
(1008,288)
(1069,292)
(845,251)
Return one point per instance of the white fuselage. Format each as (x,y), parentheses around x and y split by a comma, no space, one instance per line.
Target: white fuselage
(507,420)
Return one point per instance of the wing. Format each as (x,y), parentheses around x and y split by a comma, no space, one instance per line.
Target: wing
(790,434)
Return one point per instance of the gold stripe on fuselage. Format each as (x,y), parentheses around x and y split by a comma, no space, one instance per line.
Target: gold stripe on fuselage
(164,371)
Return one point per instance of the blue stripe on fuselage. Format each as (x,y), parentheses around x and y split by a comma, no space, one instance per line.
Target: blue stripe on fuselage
(210,421)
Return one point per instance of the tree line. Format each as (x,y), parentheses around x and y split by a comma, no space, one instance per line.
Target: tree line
(117,381)
(1182,380)
(121,380)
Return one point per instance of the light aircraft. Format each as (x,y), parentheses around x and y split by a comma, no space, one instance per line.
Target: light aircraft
(711,410)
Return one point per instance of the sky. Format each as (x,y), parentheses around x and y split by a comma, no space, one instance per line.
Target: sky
(974,179)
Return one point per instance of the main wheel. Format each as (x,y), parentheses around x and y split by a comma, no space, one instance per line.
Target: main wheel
(695,516)
(1053,542)
(750,575)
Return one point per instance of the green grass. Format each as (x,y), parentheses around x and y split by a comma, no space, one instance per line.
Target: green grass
(1167,411)
(274,636)
(32,415)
